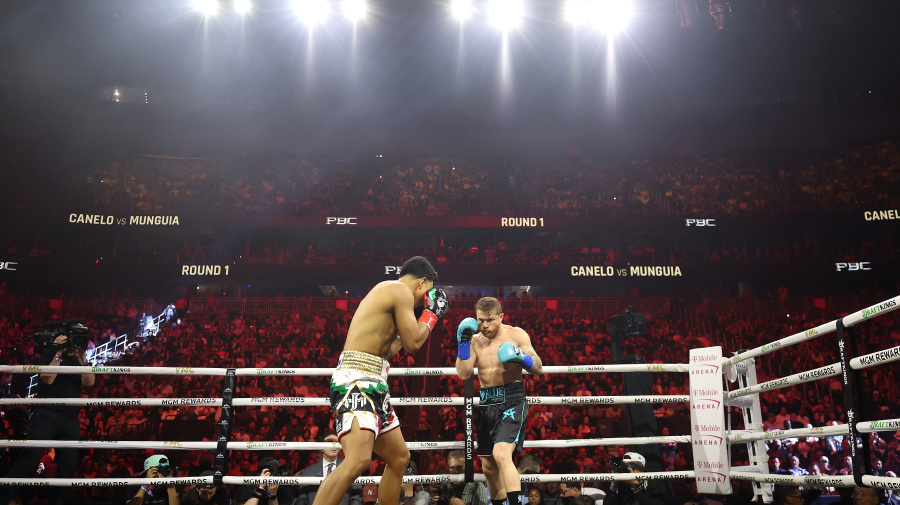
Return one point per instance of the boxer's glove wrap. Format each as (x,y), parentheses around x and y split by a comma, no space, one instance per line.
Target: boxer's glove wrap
(436,305)
(464,333)
(510,353)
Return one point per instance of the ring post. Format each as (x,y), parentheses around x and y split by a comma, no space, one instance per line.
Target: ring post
(221,462)
(844,335)
(711,463)
(469,393)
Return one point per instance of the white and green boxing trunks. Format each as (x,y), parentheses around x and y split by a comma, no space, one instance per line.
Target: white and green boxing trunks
(359,390)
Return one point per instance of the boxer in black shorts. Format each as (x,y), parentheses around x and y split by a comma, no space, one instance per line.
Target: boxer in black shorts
(501,352)
(501,417)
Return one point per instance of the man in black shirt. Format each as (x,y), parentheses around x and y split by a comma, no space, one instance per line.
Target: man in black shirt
(53,422)
(207,494)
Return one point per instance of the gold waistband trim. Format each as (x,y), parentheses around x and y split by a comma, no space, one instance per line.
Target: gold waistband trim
(363,362)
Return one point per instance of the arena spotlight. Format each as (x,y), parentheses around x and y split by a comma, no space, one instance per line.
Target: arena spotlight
(354,9)
(609,16)
(311,12)
(243,7)
(505,14)
(461,9)
(207,7)
(576,11)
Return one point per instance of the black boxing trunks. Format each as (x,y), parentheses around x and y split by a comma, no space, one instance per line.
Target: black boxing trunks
(501,416)
(359,390)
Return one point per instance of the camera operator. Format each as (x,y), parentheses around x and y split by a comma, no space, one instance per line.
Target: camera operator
(471,493)
(262,494)
(207,494)
(155,467)
(53,422)
(636,491)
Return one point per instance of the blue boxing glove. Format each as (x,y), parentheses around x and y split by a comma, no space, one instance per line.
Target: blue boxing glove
(510,353)
(464,333)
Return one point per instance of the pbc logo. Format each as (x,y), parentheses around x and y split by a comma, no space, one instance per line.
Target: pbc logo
(341,221)
(182,370)
(853,267)
(388,270)
(31,368)
(7,265)
(700,222)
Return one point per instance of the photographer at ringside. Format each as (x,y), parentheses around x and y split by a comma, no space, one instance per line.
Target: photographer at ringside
(156,467)
(54,422)
(265,494)
(637,491)
(461,493)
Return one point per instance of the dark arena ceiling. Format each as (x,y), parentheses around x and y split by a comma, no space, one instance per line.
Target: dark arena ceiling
(161,76)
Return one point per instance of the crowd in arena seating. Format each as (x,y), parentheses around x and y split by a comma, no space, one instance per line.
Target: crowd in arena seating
(444,249)
(861,177)
(308,340)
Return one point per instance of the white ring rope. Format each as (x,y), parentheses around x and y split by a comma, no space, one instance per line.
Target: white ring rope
(878,309)
(822,431)
(796,338)
(319,402)
(884,307)
(883,425)
(876,358)
(819,480)
(791,380)
(317,372)
(801,480)
(307,481)
(321,446)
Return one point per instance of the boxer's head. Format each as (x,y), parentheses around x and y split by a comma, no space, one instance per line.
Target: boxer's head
(419,275)
(489,314)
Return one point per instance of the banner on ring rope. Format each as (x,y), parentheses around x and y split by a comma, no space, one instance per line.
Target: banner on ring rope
(796,338)
(876,358)
(325,402)
(459,478)
(800,480)
(315,481)
(708,421)
(322,446)
(316,372)
(819,431)
(106,482)
(878,309)
(881,482)
(123,370)
(791,380)
(883,425)
(113,402)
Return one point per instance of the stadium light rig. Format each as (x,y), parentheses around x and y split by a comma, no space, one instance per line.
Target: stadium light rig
(311,12)
(355,10)
(606,16)
(243,7)
(207,7)
(505,14)
(461,9)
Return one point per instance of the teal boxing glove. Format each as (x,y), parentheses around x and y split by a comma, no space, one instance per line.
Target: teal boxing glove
(509,352)
(464,333)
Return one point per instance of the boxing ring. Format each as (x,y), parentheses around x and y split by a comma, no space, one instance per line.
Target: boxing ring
(740,368)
